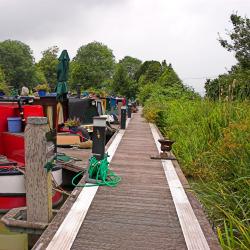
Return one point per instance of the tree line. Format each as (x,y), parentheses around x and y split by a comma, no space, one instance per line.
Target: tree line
(93,67)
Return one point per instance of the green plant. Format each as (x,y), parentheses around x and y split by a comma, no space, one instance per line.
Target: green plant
(4,88)
(44,87)
(72,122)
(213,148)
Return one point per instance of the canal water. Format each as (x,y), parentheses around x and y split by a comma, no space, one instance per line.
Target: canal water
(12,241)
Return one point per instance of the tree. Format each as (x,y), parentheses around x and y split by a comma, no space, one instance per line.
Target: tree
(236,83)
(121,80)
(48,64)
(169,77)
(93,65)
(240,40)
(3,86)
(150,70)
(39,77)
(131,65)
(17,63)
(124,80)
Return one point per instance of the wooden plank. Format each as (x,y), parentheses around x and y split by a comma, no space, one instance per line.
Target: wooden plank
(67,232)
(191,229)
(65,236)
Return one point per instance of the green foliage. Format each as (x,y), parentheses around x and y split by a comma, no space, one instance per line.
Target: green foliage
(236,83)
(17,63)
(39,76)
(168,86)
(132,65)
(149,71)
(2,76)
(232,86)
(169,78)
(212,145)
(240,40)
(124,80)
(48,64)
(93,65)
(44,86)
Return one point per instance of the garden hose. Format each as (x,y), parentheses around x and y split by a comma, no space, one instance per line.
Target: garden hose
(100,173)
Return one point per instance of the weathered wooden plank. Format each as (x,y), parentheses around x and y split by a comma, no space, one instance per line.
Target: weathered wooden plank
(38,182)
(191,229)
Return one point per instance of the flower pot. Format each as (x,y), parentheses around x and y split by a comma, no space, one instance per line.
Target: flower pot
(74,129)
(2,93)
(42,93)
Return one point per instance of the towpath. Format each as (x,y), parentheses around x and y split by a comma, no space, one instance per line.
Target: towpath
(151,208)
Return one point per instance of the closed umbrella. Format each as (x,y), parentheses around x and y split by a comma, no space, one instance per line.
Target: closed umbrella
(62,76)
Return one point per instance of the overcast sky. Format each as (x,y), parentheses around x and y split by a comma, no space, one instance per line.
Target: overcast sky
(184,32)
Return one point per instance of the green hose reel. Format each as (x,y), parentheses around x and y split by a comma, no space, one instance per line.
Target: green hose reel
(99,174)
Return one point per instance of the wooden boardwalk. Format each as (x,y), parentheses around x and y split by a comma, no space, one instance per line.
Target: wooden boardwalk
(140,212)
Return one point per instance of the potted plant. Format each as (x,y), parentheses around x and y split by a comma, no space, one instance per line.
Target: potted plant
(42,89)
(73,123)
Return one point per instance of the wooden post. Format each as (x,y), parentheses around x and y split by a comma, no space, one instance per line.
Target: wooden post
(119,106)
(37,181)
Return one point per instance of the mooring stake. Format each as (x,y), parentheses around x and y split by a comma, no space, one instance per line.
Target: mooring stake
(38,181)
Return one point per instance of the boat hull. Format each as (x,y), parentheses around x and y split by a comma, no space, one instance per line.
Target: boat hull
(12,190)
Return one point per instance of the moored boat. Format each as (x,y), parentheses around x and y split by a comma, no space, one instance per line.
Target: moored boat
(12,156)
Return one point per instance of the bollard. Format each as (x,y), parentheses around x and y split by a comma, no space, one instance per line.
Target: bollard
(129,110)
(38,182)
(78,88)
(99,137)
(123,117)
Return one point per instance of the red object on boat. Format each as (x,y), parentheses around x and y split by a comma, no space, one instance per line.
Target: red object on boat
(9,202)
(12,189)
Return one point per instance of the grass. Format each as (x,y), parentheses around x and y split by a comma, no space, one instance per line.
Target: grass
(213,148)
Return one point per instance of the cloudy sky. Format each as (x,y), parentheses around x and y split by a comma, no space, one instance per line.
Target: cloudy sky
(184,32)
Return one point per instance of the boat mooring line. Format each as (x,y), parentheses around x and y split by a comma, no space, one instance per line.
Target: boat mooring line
(68,230)
(191,229)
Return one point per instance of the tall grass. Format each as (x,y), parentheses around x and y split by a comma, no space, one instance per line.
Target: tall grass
(213,147)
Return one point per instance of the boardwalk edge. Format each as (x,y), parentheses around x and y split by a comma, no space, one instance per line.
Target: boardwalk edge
(191,229)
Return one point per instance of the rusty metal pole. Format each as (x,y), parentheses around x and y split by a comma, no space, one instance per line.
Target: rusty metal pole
(38,182)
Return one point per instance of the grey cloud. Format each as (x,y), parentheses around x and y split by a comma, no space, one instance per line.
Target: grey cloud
(184,32)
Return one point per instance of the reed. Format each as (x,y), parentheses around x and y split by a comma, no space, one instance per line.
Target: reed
(213,147)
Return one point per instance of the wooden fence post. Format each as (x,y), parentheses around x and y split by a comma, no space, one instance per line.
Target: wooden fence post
(38,182)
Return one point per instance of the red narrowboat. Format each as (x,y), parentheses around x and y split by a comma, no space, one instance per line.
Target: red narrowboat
(12,156)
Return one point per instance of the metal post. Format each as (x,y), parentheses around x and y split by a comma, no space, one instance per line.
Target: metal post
(129,110)
(37,180)
(99,137)
(78,86)
(123,117)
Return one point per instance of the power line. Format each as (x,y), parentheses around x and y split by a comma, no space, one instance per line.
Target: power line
(203,77)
